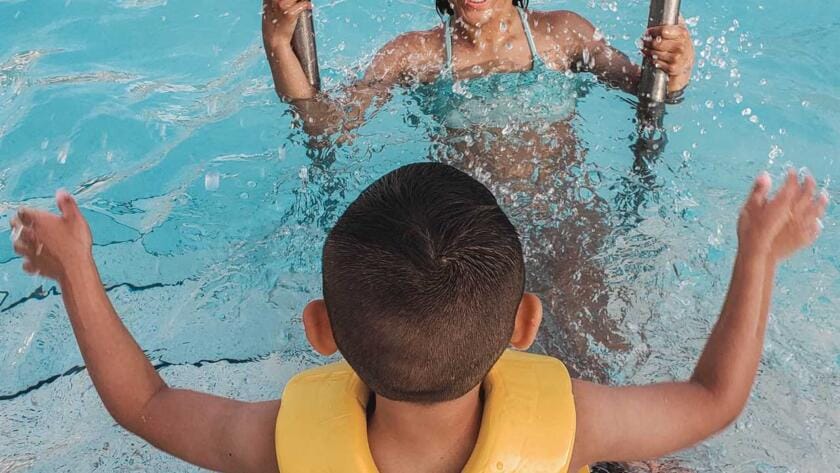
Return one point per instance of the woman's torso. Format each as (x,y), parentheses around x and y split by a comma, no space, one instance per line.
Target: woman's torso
(508,93)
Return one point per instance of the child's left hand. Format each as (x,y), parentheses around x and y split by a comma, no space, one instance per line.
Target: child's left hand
(671,49)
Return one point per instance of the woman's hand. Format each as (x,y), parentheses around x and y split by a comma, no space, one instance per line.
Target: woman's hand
(671,49)
(52,244)
(280,18)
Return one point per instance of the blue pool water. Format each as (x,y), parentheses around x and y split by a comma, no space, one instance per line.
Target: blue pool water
(208,210)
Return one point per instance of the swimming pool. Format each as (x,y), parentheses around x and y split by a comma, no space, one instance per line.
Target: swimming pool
(208,210)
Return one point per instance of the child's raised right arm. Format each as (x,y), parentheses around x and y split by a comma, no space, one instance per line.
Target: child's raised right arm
(643,422)
(210,431)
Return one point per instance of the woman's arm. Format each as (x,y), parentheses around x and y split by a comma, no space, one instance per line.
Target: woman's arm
(278,26)
(589,51)
(320,113)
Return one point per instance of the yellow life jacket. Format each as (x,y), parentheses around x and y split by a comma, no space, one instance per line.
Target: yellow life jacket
(528,423)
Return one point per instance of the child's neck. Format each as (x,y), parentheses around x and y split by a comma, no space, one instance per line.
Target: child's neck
(407,437)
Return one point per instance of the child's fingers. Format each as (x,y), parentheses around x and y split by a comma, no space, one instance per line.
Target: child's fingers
(25,216)
(29,267)
(23,248)
(806,195)
(67,205)
(816,209)
(760,189)
(27,236)
(789,190)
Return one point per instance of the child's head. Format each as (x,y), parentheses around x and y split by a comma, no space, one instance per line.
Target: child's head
(423,278)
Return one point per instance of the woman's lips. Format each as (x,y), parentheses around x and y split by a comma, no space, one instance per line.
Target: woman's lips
(478,4)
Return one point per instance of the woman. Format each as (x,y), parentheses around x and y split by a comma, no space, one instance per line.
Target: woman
(480,38)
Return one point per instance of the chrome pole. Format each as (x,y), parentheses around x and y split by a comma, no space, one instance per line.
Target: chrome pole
(303,44)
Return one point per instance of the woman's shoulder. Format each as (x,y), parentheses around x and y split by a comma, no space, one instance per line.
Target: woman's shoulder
(560,35)
(559,21)
(417,54)
(419,44)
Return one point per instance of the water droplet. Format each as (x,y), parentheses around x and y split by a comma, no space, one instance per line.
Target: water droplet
(806,104)
(775,152)
(710,104)
(244,196)
(508,45)
(63,152)
(754,119)
(45,143)
(763,82)
(746,111)
(459,88)
(211,181)
(251,184)
(503,27)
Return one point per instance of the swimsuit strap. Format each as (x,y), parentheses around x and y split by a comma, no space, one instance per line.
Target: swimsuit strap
(447,40)
(535,56)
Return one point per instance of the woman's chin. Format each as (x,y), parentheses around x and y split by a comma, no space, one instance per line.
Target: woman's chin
(475,17)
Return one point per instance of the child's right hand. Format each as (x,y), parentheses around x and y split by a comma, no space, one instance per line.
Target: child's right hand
(280,19)
(785,223)
(52,244)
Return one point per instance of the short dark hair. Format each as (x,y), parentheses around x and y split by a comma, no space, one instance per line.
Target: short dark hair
(445,8)
(423,275)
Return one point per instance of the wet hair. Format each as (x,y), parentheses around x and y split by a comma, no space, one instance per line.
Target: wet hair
(445,8)
(423,275)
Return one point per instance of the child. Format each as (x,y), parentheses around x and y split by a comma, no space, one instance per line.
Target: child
(423,294)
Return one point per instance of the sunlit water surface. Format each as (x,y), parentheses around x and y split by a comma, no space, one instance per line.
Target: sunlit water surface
(209,212)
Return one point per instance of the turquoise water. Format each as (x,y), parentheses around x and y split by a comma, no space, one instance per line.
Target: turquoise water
(208,210)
